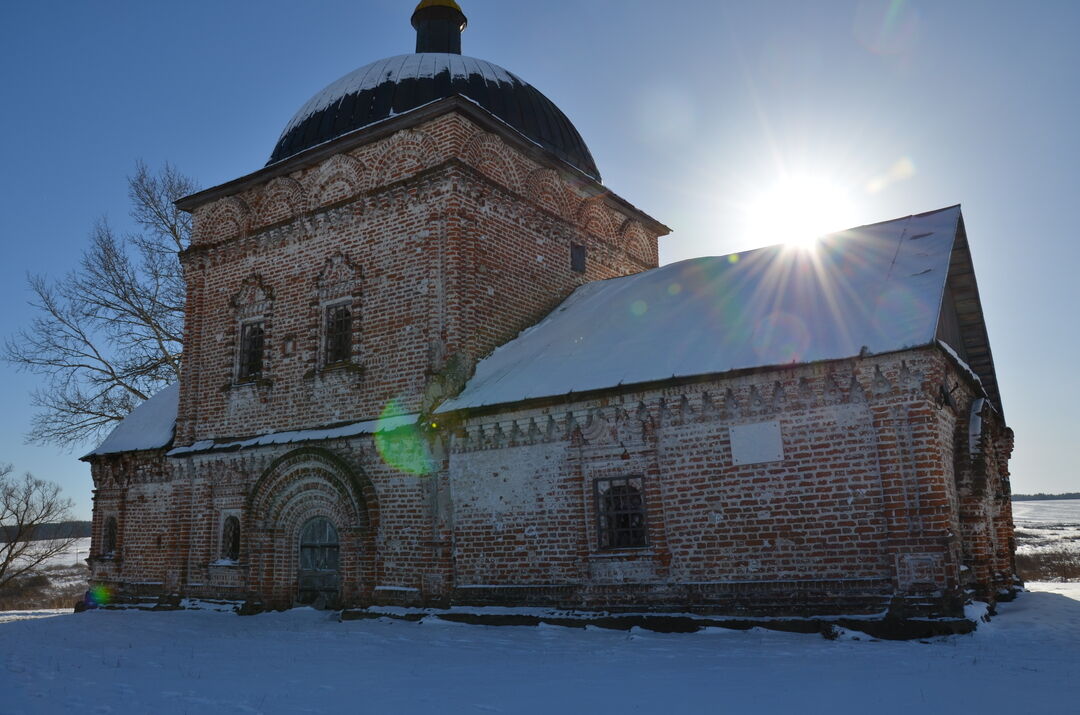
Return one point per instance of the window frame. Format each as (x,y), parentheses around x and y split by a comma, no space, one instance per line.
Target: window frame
(110,537)
(243,360)
(607,532)
(225,552)
(327,310)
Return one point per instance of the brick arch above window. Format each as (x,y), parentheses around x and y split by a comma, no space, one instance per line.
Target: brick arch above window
(338,279)
(253,299)
(253,304)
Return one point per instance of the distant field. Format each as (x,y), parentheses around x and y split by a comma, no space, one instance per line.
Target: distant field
(1048,539)
(58,584)
(1047,525)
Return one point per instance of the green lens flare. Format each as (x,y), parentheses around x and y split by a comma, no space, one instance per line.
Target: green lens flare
(101,595)
(402,448)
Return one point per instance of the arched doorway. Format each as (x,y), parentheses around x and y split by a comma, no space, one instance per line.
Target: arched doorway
(319,579)
(313,520)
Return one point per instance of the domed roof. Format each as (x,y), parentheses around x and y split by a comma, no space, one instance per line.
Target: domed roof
(396,85)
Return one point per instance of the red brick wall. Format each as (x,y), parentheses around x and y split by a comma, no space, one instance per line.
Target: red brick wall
(456,243)
(864,512)
(863,499)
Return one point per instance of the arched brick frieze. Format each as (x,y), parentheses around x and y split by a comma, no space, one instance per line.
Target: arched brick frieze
(592,217)
(304,484)
(543,187)
(402,155)
(282,200)
(490,155)
(338,178)
(224,219)
(338,278)
(634,238)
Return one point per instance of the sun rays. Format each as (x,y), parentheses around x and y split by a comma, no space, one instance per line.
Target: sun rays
(797,209)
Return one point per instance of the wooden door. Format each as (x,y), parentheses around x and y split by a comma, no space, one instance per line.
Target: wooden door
(319,578)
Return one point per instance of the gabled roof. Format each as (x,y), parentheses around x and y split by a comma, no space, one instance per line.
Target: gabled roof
(871,289)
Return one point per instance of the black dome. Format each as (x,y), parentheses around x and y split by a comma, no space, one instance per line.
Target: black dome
(396,85)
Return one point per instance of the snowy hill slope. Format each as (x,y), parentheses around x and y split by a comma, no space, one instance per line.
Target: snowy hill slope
(1027,660)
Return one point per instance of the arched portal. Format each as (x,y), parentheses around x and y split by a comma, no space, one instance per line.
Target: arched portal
(312,519)
(318,573)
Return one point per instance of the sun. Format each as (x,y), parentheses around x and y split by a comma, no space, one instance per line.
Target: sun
(796,210)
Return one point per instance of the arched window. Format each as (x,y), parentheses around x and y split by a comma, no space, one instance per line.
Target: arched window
(230,539)
(108,537)
(620,511)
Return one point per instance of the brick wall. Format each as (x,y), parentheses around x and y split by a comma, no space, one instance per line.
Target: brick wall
(870,507)
(445,242)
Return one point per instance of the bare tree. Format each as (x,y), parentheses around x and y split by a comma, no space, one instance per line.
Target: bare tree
(26,506)
(108,335)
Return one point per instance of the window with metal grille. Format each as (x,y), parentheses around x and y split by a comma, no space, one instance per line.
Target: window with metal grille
(577,257)
(251,351)
(338,334)
(230,539)
(620,512)
(108,538)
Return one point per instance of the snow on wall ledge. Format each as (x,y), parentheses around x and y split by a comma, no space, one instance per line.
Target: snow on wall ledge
(385,424)
(871,289)
(151,426)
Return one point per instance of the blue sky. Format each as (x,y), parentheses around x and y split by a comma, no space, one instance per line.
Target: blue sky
(694,111)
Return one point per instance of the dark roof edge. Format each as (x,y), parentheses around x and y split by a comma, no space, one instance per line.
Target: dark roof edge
(624,388)
(386,127)
(976,338)
(91,457)
(894,220)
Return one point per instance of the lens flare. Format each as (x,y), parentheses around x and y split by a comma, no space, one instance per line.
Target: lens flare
(903,169)
(780,333)
(100,595)
(402,448)
(887,27)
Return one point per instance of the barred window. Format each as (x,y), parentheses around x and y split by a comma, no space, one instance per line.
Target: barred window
(338,334)
(230,539)
(251,351)
(620,512)
(108,537)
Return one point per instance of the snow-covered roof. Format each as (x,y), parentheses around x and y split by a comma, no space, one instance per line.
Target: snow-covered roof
(871,289)
(393,70)
(149,426)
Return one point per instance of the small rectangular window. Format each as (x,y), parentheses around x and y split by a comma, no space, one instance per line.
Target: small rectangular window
(338,334)
(620,512)
(251,351)
(577,257)
(230,538)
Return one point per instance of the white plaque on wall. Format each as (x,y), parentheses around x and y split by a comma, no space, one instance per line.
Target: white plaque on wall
(756,443)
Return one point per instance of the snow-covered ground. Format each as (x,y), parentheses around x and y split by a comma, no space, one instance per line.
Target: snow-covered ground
(1049,525)
(1026,660)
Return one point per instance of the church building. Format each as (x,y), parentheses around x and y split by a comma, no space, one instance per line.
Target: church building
(431,360)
